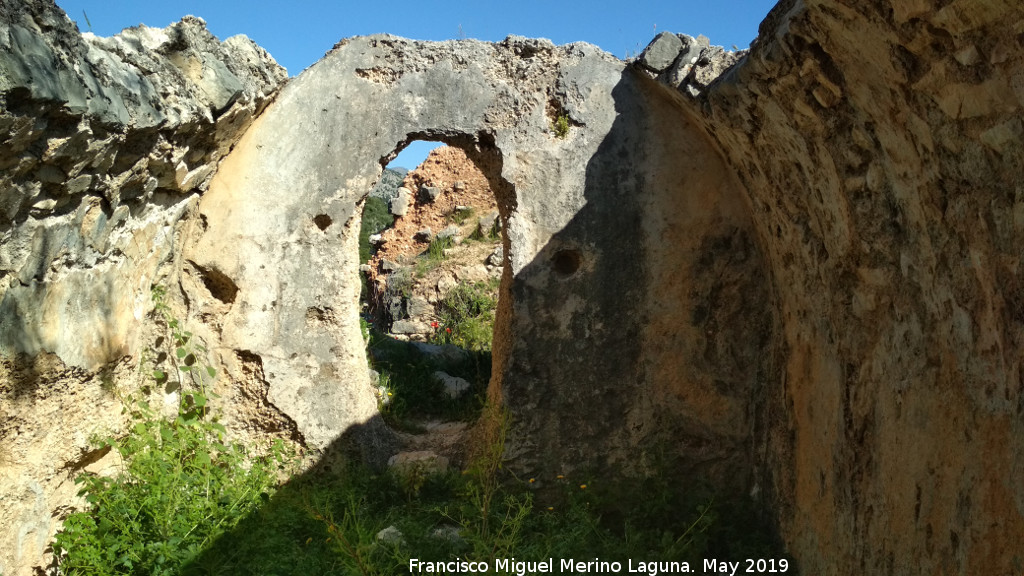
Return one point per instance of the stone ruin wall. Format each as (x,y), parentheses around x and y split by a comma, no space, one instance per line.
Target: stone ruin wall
(882,150)
(107,144)
(801,272)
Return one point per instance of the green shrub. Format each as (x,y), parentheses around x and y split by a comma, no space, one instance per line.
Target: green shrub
(460,216)
(412,392)
(187,501)
(376,218)
(467,316)
(561,126)
(433,256)
(182,485)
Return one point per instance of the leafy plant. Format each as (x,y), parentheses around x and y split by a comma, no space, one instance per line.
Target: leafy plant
(182,486)
(329,523)
(408,392)
(434,255)
(560,126)
(183,351)
(458,216)
(467,316)
(493,234)
(400,283)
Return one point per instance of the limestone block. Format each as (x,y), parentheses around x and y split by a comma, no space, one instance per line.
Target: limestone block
(661,52)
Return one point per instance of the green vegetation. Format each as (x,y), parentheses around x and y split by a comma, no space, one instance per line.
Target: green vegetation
(467,316)
(460,216)
(560,126)
(182,485)
(400,283)
(188,502)
(411,394)
(376,218)
(493,234)
(433,256)
(323,524)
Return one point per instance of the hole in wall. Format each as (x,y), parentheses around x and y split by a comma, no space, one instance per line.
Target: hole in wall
(322,221)
(566,262)
(219,285)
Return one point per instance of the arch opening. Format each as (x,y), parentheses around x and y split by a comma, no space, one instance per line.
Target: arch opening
(433,262)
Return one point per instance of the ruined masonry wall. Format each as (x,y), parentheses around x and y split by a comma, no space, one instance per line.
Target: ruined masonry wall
(106,143)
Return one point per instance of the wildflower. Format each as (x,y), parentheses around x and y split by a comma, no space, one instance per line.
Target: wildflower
(560,477)
(448,330)
(532,480)
(550,508)
(583,486)
(434,324)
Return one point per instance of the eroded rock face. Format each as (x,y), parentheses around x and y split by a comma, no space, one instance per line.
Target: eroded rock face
(879,143)
(106,144)
(105,141)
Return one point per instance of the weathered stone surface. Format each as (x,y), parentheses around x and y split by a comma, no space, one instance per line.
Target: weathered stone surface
(661,52)
(419,306)
(885,183)
(497,257)
(450,231)
(453,385)
(429,193)
(488,224)
(424,235)
(400,203)
(103,144)
(419,463)
(407,327)
(442,353)
(118,118)
(591,249)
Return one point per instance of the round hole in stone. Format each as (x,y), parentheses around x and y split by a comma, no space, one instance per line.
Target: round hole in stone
(566,261)
(322,221)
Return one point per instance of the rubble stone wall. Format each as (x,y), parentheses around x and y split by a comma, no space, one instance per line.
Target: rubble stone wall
(106,145)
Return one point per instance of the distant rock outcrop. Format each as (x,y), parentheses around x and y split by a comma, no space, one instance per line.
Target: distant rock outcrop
(387,187)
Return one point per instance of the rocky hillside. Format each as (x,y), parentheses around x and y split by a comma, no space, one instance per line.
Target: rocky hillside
(446,232)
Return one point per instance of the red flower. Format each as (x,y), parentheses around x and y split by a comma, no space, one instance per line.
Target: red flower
(448,330)
(433,324)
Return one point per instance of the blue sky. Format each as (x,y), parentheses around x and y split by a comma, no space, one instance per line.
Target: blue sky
(297,33)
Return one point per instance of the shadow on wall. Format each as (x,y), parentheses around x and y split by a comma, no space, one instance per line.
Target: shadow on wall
(642,330)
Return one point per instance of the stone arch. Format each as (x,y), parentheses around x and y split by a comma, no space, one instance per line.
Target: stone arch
(602,344)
